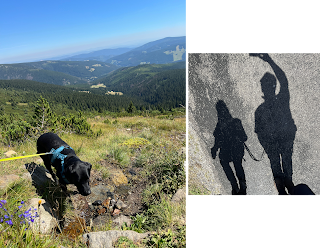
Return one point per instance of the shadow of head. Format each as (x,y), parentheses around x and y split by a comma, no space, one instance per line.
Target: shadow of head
(268,84)
(222,110)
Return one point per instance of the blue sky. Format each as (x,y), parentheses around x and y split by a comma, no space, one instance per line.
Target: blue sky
(34,30)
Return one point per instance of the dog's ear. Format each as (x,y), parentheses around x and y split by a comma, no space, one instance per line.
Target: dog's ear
(72,168)
(89,165)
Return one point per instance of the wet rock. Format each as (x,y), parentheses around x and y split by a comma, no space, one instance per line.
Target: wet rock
(105,239)
(10,153)
(46,221)
(121,220)
(6,180)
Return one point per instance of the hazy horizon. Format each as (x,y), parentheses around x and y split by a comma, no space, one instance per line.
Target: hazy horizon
(37,30)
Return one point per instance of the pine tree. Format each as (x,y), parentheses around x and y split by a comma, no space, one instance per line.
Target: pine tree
(131,108)
(44,119)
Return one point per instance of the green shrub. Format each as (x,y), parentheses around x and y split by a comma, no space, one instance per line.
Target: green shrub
(135,142)
(120,154)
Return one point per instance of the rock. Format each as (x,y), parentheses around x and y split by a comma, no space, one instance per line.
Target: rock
(120,205)
(46,221)
(106,202)
(179,195)
(105,239)
(101,211)
(10,153)
(121,220)
(113,202)
(27,176)
(6,180)
(39,174)
(118,178)
(132,172)
(91,207)
(116,212)
(97,203)
(100,192)
(122,190)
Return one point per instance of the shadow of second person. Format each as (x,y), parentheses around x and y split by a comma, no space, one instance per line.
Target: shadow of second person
(229,138)
(275,126)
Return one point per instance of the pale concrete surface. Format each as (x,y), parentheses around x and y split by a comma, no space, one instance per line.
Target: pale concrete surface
(235,79)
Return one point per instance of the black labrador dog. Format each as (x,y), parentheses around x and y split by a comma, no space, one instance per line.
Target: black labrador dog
(70,169)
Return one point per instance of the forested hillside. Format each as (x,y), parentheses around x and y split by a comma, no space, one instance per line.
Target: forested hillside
(21,95)
(57,72)
(164,85)
(24,71)
(85,70)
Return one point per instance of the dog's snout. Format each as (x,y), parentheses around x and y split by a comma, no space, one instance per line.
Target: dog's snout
(88,192)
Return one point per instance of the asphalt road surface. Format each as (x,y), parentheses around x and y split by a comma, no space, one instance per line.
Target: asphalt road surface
(235,79)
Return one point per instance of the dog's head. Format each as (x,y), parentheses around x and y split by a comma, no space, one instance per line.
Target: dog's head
(78,173)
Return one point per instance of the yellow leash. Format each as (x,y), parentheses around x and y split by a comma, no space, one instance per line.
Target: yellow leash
(27,156)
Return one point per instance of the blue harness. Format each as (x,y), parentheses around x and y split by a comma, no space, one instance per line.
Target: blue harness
(56,154)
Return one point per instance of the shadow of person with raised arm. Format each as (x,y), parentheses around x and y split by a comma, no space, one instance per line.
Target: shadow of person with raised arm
(275,126)
(229,138)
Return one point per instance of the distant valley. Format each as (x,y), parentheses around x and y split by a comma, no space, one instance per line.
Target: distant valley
(163,84)
(151,75)
(57,72)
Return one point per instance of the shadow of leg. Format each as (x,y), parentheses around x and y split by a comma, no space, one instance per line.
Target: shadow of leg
(286,155)
(232,179)
(241,176)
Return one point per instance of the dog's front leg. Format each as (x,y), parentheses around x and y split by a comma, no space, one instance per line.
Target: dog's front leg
(47,164)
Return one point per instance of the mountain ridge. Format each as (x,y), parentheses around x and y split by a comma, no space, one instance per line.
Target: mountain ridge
(154,52)
(100,55)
